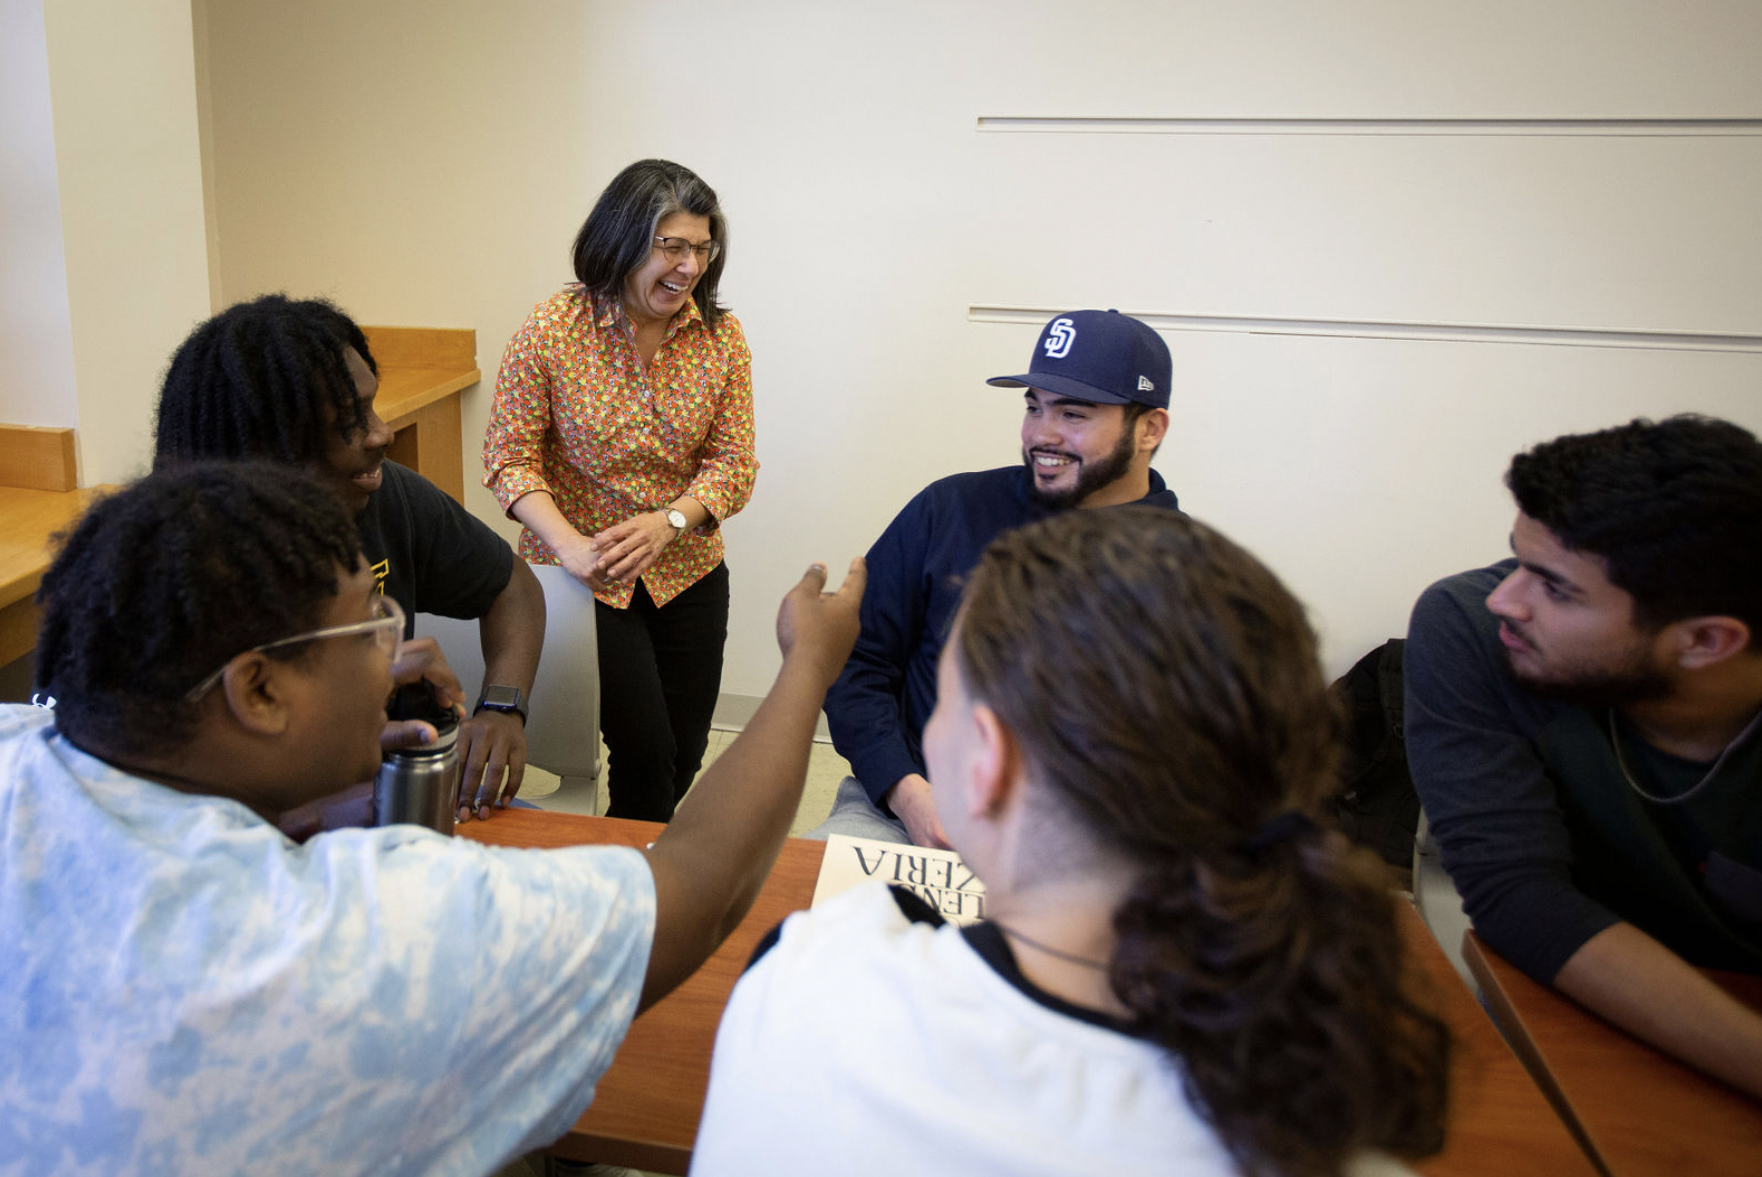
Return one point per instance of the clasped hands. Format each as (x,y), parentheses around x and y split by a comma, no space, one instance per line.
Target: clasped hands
(620,553)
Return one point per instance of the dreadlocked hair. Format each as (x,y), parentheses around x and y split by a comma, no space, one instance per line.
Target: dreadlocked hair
(164,581)
(262,379)
(1164,689)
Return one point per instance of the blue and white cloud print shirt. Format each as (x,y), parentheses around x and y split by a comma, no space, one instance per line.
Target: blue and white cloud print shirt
(184,990)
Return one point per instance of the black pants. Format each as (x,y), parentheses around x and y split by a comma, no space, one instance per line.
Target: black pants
(660,673)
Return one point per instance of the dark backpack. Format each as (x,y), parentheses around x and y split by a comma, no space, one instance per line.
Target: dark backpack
(1376,805)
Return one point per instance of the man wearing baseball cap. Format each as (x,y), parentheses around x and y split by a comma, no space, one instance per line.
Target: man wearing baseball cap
(1096,409)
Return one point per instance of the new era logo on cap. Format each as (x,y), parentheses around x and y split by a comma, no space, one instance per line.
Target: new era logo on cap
(1099,356)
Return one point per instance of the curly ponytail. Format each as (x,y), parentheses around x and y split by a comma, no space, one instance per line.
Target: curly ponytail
(1279,984)
(1164,686)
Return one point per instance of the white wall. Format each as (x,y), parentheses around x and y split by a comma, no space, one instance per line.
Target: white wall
(429,163)
(129,169)
(36,334)
(422,164)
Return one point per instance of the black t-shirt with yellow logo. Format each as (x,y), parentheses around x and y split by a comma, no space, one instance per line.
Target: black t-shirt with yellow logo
(429,553)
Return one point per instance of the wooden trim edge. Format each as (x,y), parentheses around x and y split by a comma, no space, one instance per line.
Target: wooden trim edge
(38,457)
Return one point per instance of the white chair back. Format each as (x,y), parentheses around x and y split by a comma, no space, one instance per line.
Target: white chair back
(1437,900)
(563,718)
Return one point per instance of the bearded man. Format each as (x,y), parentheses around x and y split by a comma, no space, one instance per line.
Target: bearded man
(1096,409)
(1581,727)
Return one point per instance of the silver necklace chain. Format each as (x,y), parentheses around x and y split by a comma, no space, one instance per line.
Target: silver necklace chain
(1087,962)
(1680,798)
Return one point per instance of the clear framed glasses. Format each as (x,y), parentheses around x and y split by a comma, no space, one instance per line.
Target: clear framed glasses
(677,247)
(387,628)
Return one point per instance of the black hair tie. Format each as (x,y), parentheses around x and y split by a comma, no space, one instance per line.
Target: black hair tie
(1281,827)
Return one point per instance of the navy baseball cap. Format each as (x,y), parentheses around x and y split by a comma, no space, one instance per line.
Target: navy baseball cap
(1099,356)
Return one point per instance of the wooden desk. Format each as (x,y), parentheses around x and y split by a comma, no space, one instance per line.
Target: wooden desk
(1637,1110)
(647,1107)
(422,370)
(28,518)
(1499,1121)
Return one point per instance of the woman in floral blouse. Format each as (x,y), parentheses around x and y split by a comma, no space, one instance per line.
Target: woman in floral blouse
(621,437)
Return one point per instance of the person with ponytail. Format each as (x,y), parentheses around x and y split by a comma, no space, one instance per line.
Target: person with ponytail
(1182,971)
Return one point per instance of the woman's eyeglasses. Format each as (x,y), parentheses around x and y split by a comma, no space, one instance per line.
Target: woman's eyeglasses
(677,247)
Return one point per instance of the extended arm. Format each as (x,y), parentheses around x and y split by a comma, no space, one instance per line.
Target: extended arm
(492,744)
(714,856)
(1635,982)
(460,568)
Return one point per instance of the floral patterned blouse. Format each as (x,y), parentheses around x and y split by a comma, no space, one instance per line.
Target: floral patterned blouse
(576,414)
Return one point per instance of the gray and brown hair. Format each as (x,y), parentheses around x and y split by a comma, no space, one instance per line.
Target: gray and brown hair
(619,233)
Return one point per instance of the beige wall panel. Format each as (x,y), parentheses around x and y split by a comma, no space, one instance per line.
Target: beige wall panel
(36,336)
(128,158)
(1590,230)
(429,163)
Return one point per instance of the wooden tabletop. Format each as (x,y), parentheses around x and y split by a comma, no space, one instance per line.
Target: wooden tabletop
(1640,1111)
(1500,1123)
(402,391)
(646,1110)
(28,520)
(419,366)
(421,373)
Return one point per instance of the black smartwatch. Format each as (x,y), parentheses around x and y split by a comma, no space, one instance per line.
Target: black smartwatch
(506,699)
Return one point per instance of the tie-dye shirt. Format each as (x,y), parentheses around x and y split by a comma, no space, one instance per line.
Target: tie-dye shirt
(577,414)
(184,990)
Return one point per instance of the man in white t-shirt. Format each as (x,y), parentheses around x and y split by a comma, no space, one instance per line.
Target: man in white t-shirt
(187,990)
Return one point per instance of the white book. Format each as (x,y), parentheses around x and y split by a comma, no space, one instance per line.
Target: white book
(938,877)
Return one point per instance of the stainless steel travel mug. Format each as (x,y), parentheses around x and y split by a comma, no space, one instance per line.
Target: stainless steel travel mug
(420,784)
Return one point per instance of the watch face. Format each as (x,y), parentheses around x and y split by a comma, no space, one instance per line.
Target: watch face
(502,698)
(677,519)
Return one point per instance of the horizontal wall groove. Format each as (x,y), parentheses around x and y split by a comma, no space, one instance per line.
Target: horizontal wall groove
(1439,332)
(1136,125)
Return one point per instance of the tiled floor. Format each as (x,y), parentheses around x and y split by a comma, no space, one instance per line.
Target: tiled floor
(825,769)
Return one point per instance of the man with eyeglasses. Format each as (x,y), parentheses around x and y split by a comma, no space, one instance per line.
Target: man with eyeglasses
(1096,409)
(187,990)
